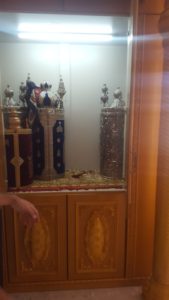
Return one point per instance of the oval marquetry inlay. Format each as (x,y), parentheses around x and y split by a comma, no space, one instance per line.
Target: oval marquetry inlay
(97,238)
(37,242)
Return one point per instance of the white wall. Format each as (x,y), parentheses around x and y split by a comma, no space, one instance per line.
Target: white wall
(84,69)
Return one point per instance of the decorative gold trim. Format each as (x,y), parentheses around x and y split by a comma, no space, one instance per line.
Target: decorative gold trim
(48,118)
(97,233)
(37,242)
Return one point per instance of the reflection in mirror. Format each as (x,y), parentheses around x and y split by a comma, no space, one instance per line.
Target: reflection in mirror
(69,77)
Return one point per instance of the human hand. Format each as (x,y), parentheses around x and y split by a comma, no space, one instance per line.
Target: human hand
(27,211)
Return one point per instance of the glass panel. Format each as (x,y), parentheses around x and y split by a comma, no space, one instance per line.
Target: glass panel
(73,119)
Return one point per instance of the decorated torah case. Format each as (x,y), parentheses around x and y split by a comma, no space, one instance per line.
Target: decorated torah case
(48,144)
(48,133)
(18,143)
(112,142)
(34,133)
(19,157)
(112,125)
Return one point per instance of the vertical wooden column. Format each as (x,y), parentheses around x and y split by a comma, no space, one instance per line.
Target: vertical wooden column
(147,67)
(158,287)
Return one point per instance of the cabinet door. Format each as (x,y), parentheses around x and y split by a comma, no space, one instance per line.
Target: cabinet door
(31,6)
(96,235)
(94,6)
(37,254)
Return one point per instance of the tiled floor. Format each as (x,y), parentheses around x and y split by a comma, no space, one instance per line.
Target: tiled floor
(126,293)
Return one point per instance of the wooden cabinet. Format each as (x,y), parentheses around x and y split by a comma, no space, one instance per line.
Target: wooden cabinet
(91,226)
(37,254)
(72,258)
(96,227)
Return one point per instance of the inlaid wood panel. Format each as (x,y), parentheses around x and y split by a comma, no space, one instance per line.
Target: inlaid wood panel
(96,233)
(39,253)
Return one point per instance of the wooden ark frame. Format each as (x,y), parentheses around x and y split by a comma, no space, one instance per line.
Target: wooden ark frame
(139,199)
